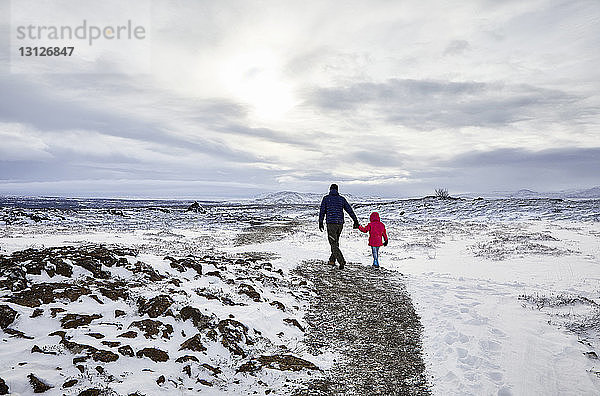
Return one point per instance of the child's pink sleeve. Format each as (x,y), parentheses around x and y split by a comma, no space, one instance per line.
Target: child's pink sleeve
(365,229)
(385,238)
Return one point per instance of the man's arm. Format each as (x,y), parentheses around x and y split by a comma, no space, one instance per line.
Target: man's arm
(322,210)
(349,210)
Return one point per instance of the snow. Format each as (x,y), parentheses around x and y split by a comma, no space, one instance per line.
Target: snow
(479,338)
(468,265)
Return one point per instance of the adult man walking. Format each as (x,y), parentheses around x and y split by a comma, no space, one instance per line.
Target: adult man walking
(332,207)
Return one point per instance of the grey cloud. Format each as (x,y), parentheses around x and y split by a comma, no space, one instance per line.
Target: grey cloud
(60,169)
(379,157)
(38,106)
(514,168)
(575,161)
(77,171)
(304,140)
(34,104)
(456,47)
(424,104)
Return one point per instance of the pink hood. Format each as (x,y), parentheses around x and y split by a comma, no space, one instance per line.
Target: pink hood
(374,216)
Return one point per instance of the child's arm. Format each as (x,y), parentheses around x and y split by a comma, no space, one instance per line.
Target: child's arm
(385,237)
(365,229)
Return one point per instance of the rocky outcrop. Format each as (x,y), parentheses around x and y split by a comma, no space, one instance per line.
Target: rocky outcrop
(156,355)
(234,335)
(156,306)
(186,358)
(199,320)
(115,289)
(129,334)
(135,309)
(96,354)
(196,208)
(53,261)
(91,392)
(277,304)
(193,344)
(69,383)
(144,270)
(294,322)
(37,349)
(17,333)
(71,321)
(38,385)
(3,387)
(126,350)
(213,370)
(183,264)
(151,328)
(249,291)
(7,316)
(100,355)
(46,293)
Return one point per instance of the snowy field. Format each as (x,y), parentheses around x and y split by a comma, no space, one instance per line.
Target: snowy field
(508,290)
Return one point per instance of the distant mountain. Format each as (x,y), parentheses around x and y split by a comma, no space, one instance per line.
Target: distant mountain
(590,193)
(298,198)
(289,198)
(524,193)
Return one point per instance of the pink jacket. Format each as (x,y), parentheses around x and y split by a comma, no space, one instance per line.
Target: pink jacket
(376,230)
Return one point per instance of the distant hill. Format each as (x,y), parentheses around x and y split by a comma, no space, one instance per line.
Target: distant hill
(299,198)
(524,193)
(590,193)
(289,198)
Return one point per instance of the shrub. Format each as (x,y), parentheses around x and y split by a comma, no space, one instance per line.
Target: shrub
(442,193)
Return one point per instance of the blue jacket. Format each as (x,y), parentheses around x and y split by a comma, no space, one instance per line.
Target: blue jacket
(333,205)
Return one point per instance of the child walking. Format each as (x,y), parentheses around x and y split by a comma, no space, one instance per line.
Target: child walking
(376,230)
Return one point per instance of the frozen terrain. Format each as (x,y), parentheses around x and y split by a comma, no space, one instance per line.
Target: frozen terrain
(507,291)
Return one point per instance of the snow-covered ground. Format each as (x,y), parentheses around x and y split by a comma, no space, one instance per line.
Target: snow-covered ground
(508,290)
(509,307)
(482,336)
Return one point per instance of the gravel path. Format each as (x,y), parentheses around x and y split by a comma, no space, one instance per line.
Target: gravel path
(367,315)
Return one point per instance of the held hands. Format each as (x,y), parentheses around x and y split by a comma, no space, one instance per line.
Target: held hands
(321,226)
(356,224)
(385,242)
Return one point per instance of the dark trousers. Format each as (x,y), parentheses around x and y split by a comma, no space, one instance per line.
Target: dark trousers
(333,235)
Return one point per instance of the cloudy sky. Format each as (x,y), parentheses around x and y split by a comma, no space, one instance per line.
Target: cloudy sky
(236,98)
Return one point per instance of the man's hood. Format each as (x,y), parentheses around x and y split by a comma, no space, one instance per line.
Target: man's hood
(333,192)
(374,216)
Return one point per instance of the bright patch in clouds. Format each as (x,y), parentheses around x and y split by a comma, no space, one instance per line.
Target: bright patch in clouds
(255,78)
